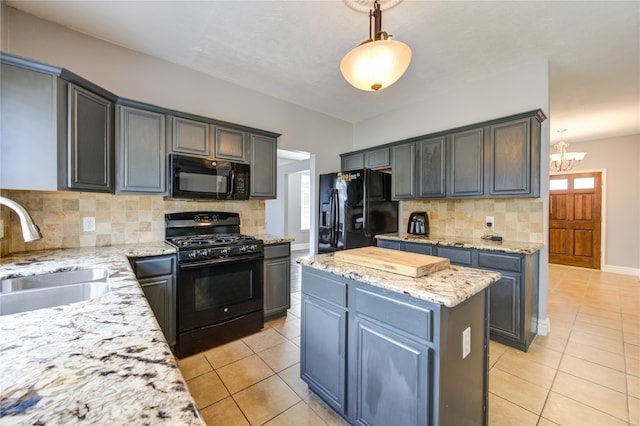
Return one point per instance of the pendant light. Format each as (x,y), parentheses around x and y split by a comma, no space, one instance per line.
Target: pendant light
(564,161)
(378,62)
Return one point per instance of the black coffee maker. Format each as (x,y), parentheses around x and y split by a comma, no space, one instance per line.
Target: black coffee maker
(418,223)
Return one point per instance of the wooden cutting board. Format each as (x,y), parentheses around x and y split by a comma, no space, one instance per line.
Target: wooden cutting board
(395,261)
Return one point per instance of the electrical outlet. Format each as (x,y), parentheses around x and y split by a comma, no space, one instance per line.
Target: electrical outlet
(466,342)
(89,224)
(490,221)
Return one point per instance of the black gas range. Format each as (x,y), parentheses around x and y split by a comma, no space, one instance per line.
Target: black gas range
(220,279)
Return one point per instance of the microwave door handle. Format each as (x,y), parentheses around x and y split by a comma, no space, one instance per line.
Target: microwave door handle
(232,179)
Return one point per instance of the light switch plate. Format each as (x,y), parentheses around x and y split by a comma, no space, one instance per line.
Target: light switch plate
(466,342)
(89,224)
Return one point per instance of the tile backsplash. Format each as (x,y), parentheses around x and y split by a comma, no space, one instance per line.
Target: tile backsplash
(516,219)
(119,219)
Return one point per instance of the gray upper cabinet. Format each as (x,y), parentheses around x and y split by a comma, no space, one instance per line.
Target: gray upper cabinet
(431,167)
(89,149)
(513,163)
(466,168)
(352,161)
(190,136)
(263,166)
(28,141)
(403,180)
(140,152)
(230,144)
(377,159)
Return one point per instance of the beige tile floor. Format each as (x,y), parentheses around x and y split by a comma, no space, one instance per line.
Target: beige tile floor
(585,372)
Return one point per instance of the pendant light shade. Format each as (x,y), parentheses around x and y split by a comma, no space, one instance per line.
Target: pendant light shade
(378,62)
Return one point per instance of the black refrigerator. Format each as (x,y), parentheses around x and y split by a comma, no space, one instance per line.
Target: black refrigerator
(354,207)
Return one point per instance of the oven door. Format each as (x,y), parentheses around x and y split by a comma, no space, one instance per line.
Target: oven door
(215,291)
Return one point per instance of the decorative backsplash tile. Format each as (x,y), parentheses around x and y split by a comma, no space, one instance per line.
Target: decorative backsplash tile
(516,219)
(120,219)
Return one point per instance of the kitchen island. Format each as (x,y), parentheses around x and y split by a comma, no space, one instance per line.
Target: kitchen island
(382,348)
(103,361)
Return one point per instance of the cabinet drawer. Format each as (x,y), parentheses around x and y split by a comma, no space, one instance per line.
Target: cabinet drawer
(499,261)
(411,319)
(324,287)
(152,266)
(395,245)
(418,248)
(457,256)
(276,250)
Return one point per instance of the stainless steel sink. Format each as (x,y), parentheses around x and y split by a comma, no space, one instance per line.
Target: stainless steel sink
(53,289)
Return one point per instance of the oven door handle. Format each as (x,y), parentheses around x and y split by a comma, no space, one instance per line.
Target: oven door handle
(213,262)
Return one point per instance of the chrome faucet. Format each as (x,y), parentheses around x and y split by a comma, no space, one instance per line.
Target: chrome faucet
(30,231)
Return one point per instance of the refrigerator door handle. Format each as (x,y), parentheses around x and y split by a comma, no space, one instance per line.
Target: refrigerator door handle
(331,219)
(336,221)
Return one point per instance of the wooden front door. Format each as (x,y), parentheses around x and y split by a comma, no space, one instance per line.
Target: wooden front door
(575,219)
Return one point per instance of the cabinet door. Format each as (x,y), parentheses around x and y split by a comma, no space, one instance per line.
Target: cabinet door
(510,159)
(504,307)
(263,166)
(160,293)
(419,248)
(323,343)
(431,168)
(141,160)
(230,144)
(277,285)
(190,137)
(392,378)
(352,161)
(466,153)
(377,158)
(90,145)
(403,161)
(29,124)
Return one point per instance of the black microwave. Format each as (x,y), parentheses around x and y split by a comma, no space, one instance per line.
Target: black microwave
(204,178)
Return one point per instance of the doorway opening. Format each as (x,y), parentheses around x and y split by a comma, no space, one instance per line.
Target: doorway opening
(575,219)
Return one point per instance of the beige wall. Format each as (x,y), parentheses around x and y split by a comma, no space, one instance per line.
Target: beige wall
(120,219)
(619,158)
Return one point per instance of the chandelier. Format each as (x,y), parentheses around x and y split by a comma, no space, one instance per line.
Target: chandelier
(377,62)
(562,160)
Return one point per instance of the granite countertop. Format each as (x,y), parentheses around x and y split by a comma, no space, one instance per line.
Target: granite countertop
(103,361)
(448,287)
(517,247)
(273,239)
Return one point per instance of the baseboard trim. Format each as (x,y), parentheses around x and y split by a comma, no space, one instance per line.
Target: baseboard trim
(621,270)
(302,246)
(544,326)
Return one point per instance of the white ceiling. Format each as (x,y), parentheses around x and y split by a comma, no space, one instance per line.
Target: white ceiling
(291,50)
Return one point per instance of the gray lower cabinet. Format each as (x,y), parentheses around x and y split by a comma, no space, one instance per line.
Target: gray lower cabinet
(513,304)
(141,161)
(381,358)
(403,179)
(277,280)
(189,136)
(263,179)
(157,277)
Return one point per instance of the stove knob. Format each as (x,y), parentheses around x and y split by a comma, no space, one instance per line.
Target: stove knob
(244,249)
(192,254)
(253,247)
(224,251)
(202,252)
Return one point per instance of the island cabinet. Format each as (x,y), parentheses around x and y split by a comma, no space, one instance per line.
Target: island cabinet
(141,161)
(513,306)
(380,357)
(157,277)
(277,280)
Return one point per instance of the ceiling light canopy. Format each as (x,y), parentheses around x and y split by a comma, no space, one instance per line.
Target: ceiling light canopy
(377,62)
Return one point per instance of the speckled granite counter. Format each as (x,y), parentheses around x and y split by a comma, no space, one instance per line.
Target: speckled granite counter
(273,239)
(475,243)
(449,287)
(104,361)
